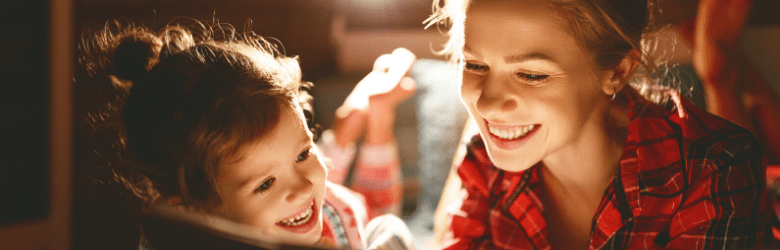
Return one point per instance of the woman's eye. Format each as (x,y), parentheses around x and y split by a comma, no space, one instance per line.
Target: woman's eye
(266,185)
(475,68)
(304,155)
(533,78)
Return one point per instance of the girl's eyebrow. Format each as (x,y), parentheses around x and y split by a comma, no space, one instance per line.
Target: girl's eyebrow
(251,179)
(304,142)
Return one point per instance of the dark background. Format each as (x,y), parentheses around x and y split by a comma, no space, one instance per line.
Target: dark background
(102,219)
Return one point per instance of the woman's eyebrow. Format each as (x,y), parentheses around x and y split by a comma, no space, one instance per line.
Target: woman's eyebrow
(527,57)
(468,50)
(517,58)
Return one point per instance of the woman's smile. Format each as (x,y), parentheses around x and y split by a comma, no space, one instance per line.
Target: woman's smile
(510,136)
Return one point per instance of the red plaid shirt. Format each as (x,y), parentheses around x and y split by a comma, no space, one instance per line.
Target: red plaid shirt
(687,180)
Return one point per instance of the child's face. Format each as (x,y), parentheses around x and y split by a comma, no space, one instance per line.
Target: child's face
(531,88)
(278,185)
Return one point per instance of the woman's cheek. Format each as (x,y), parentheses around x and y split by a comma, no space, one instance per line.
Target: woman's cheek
(469,89)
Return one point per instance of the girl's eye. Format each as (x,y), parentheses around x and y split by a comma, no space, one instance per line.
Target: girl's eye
(304,155)
(266,185)
(475,68)
(532,78)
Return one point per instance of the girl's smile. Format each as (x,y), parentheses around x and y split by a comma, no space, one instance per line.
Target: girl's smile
(302,221)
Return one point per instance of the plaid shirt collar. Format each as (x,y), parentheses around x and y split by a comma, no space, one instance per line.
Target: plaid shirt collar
(653,170)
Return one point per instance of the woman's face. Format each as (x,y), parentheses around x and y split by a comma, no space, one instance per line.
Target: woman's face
(278,184)
(533,91)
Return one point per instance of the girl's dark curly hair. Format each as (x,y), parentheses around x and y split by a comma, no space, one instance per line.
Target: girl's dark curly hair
(186,100)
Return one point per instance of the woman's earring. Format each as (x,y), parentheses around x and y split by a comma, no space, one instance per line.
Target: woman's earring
(614,93)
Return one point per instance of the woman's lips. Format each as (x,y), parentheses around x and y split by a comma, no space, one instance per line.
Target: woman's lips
(303,221)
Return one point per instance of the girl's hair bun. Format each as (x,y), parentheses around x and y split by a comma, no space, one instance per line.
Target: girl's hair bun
(176,39)
(135,54)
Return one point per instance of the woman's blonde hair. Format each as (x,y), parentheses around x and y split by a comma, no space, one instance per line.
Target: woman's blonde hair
(608,29)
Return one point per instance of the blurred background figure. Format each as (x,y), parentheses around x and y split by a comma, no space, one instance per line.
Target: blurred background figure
(733,86)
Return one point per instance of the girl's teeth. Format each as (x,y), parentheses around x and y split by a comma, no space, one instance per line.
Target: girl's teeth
(296,220)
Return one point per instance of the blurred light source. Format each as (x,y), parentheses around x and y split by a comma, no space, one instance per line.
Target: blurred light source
(374,4)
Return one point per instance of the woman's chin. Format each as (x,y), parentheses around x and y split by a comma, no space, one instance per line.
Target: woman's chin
(510,162)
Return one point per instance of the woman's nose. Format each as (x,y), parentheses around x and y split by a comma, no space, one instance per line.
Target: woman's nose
(495,98)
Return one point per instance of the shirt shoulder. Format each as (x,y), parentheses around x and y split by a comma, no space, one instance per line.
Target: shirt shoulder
(686,142)
(714,142)
(345,215)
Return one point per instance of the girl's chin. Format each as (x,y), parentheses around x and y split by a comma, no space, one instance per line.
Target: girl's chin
(309,239)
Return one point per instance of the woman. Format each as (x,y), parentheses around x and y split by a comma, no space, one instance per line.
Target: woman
(580,148)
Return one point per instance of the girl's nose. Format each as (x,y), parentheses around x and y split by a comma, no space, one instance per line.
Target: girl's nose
(300,187)
(495,98)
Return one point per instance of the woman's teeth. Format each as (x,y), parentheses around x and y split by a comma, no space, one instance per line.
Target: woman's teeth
(298,219)
(510,133)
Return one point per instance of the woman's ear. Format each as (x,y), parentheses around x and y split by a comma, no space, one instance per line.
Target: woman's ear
(618,76)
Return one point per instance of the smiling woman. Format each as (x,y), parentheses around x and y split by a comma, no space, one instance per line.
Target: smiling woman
(579,147)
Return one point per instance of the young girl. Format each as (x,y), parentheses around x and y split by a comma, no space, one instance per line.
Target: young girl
(220,125)
(578,148)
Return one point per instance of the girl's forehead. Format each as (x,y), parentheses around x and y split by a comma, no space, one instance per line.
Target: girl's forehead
(285,137)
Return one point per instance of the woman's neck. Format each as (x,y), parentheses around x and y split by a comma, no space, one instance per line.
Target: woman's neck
(584,168)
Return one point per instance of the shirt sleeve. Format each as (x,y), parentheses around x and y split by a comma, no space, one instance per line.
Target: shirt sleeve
(469,226)
(378,178)
(339,158)
(377,172)
(725,208)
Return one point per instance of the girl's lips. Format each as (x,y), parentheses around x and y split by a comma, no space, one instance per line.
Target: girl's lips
(509,144)
(308,225)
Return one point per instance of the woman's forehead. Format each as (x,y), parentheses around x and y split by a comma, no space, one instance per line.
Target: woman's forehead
(511,4)
(526,25)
